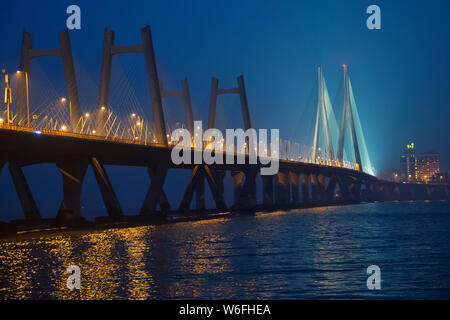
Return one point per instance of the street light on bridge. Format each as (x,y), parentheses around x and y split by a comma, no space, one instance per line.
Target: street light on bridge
(8,95)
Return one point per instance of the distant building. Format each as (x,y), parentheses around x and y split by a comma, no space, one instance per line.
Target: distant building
(408,164)
(427,167)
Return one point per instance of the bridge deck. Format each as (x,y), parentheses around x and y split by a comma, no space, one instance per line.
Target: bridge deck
(29,147)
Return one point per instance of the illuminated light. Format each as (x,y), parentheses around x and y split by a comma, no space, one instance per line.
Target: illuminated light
(138,123)
(37,132)
(102,108)
(87,115)
(93,131)
(63,128)
(1,120)
(63,99)
(133,114)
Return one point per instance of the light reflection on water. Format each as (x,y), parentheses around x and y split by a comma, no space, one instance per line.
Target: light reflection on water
(313,253)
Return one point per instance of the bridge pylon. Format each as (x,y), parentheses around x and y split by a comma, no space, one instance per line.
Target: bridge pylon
(323,115)
(348,119)
(184,92)
(216,91)
(146,48)
(64,51)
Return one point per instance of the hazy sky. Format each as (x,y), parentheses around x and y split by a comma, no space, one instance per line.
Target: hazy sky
(399,73)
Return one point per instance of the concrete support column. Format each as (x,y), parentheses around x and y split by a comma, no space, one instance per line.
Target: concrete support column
(3,160)
(315,192)
(247,197)
(73,172)
(200,192)
(293,179)
(163,202)
(238,177)
(29,207)
(282,192)
(156,193)
(331,188)
(219,177)
(343,187)
(196,176)
(305,187)
(357,190)
(109,196)
(321,186)
(215,181)
(267,184)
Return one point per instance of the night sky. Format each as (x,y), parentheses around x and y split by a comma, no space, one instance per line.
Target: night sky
(399,73)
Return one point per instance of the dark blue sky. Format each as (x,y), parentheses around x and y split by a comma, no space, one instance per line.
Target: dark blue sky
(399,73)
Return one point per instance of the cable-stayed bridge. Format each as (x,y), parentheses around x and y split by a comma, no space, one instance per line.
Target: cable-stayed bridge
(333,168)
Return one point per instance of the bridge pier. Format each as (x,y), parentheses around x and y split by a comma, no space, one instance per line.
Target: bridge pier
(163,202)
(238,177)
(215,182)
(247,195)
(196,176)
(155,193)
(343,187)
(315,192)
(331,188)
(356,190)
(282,192)
(321,187)
(267,185)
(73,172)
(29,207)
(305,187)
(200,192)
(295,192)
(109,196)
